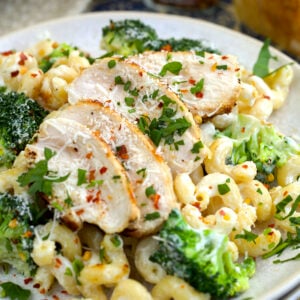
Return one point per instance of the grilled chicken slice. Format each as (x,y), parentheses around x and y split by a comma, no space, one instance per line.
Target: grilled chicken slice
(144,101)
(208,84)
(148,173)
(97,189)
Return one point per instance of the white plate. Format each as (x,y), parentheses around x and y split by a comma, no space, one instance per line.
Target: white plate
(271,281)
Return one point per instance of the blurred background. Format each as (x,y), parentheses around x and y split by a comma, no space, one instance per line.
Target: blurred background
(277,19)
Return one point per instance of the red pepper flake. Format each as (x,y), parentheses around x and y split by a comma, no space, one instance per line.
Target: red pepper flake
(55,297)
(184,91)
(245,166)
(140,73)
(43,291)
(243,129)
(197,205)
(64,292)
(267,97)
(33,75)
(155,198)
(27,280)
(79,212)
(224,57)
(222,212)
(237,69)
(22,60)
(89,155)
(199,95)
(271,233)
(122,152)
(103,170)
(285,193)
(271,225)
(192,81)
(210,187)
(94,198)
(92,175)
(167,47)
(27,234)
(14,73)
(36,286)
(57,263)
(7,53)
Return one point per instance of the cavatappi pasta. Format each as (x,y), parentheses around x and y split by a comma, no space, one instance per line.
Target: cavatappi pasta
(123,266)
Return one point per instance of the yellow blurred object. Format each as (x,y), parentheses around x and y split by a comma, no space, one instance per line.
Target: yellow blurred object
(277,19)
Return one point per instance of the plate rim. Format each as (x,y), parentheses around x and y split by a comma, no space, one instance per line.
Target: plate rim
(154,15)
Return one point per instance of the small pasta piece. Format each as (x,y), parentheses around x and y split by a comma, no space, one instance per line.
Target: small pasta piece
(219,186)
(186,193)
(90,236)
(130,289)
(193,217)
(261,109)
(256,194)
(20,73)
(150,271)
(223,221)
(43,252)
(226,220)
(171,287)
(44,279)
(55,232)
(197,174)
(246,217)
(115,269)
(54,86)
(221,149)
(263,243)
(92,292)
(279,81)
(42,48)
(289,172)
(287,195)
(62,270)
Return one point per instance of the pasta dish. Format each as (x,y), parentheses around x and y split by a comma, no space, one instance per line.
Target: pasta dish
(152,172)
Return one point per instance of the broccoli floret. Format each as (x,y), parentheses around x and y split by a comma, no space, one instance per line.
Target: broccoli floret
(201,258)
(186,44)
(20,118)
(260,143)
(17,218)
(129,37)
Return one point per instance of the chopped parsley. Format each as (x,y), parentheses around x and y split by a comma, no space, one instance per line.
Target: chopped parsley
(152,216)
(142,172)
(198,87)
(111,64)
(150,191)
(40,178)
(196,147)
(222,67)
(223,188)
(81,177)
(247,235)
(173,67)
(116,240)
(13,291)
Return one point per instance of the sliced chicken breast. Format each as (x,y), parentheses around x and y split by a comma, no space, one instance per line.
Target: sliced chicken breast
(97,189)
(144,101)
(148,173)
(207,83)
